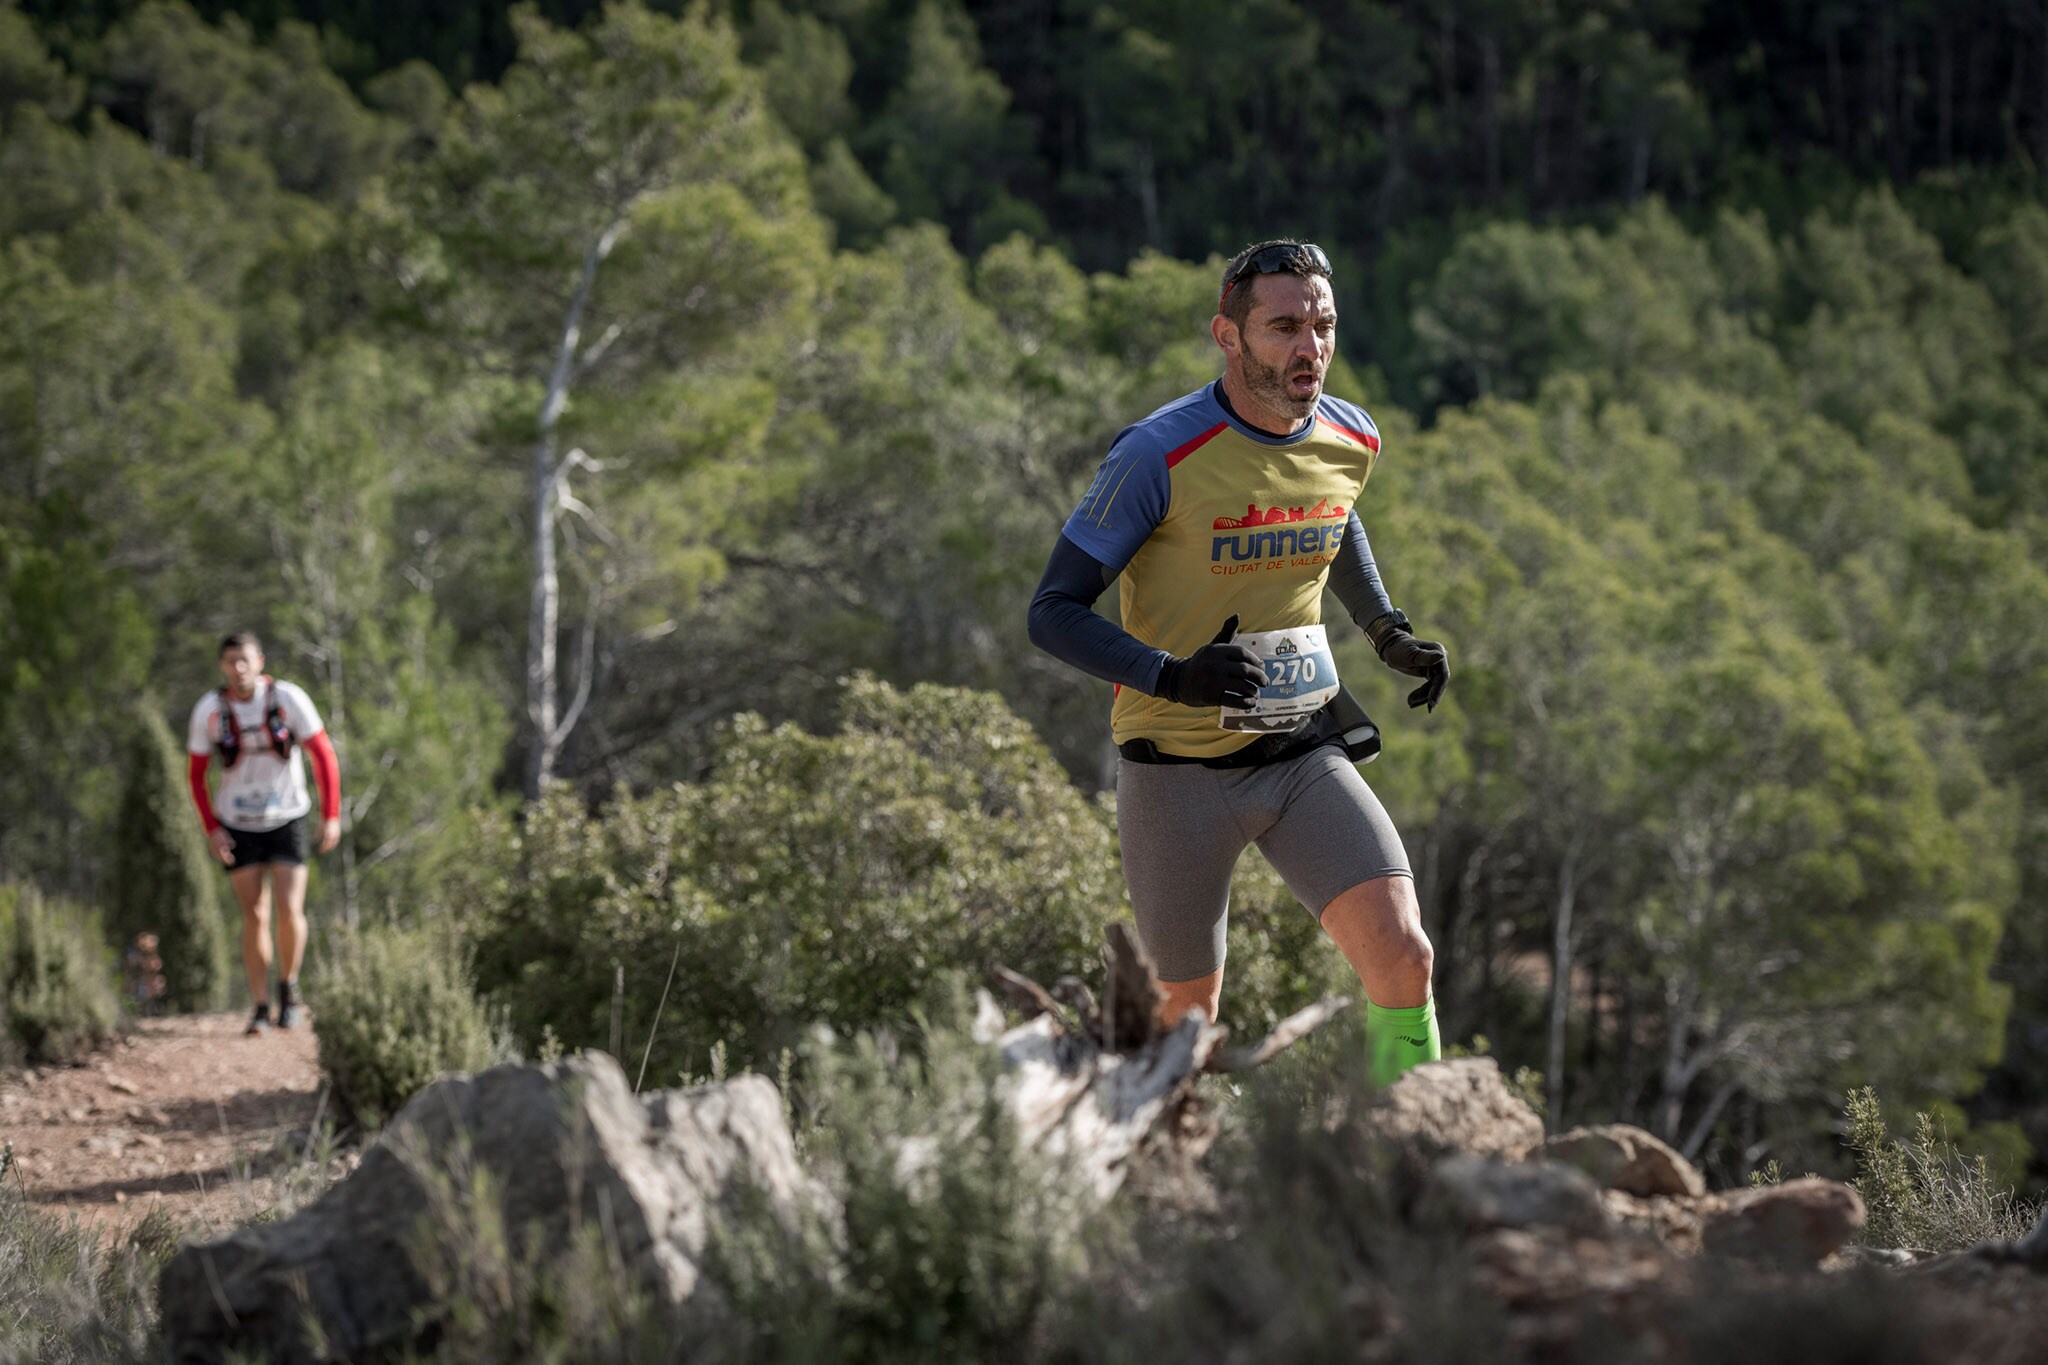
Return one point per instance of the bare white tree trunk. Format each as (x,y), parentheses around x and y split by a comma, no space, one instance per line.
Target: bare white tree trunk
(544,609)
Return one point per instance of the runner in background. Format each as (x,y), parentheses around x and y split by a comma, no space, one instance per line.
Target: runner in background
(1232,508)
(256,821)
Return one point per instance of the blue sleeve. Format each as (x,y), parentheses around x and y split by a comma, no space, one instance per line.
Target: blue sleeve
(1065,625)
(1355,578)
(1126,501)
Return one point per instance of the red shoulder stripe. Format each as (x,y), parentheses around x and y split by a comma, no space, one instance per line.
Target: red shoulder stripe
(1364,438)
(1175,456)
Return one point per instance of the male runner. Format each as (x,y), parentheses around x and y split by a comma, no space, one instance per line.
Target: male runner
(256,726)
(1231,508)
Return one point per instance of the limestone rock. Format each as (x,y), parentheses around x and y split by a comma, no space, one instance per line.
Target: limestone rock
(1793,1224)
(1483,1193)
(2033,1248)
(558,1148)
(1551,1283)
(1672,1222)
(1623,1157)
(1461,1105)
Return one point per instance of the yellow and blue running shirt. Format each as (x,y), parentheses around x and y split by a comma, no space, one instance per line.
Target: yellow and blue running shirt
(1206,517)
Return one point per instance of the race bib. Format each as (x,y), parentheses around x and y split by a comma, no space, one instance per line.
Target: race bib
(1300,677)
(254,805)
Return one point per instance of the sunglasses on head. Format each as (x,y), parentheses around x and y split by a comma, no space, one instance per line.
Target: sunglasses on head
(1289,256)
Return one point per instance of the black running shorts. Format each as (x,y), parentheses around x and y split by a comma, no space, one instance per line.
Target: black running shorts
(253,848)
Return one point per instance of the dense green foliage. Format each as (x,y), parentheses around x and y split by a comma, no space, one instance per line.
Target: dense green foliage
(1191,126)
(396,1009)
(57,996)
(1725,488)
(165,882)
(806,879)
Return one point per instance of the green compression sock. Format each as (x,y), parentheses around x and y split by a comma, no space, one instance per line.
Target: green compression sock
(1400,1040)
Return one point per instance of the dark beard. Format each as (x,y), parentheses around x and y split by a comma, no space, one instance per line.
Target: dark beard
(1268,383)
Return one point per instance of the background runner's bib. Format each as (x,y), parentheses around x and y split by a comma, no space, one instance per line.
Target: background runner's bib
(1300,677)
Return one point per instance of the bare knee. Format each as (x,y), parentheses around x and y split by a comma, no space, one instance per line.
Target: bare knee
(1413,960)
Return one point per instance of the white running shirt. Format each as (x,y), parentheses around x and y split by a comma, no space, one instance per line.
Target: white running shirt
(262,791)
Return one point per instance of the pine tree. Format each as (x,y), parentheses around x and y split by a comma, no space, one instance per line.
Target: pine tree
(163,881)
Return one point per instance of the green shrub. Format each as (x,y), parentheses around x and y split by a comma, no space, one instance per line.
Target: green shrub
(1926,1193)
(164,880)
(395,1010)
(68,1294)
(954,1243)
(807,879)
(56,978)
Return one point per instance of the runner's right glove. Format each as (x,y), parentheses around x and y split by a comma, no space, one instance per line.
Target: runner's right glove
(1400,650)
(1217,674)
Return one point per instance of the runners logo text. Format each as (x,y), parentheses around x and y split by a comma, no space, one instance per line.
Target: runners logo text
(1267,538)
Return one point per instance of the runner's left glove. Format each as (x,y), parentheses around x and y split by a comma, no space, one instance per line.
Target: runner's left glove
(1399,649)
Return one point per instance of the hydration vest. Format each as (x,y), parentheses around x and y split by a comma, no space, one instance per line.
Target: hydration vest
(275,728)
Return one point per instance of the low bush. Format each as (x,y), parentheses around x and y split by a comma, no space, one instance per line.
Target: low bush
(164,880)
(396,1009)
(953,1244)
(807,879)
(57,988)
(1926,1193)
(70,1295)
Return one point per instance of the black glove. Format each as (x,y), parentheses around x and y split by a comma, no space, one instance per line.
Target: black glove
(1217,674)
(1399,649)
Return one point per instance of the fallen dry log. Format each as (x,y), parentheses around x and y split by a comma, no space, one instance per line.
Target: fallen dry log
(1088,1085)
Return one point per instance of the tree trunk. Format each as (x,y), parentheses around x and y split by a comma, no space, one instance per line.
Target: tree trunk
(337,725)
(1393,175)
(1838,114)
(544,604)
(1704,1129)
(1489,114)
(1944,92)
(2041,95)
(1560,980)
(543,614)
(1677,1074)
(1447,65)
(1148,195)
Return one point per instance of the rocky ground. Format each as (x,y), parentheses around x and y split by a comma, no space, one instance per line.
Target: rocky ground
(183,1114)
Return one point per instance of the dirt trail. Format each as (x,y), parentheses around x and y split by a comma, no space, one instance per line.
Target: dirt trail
(184,1113)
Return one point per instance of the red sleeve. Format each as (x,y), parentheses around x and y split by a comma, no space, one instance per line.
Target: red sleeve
(195,773)
(326,773)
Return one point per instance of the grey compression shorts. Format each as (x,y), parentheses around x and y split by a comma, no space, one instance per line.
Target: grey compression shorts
(1182,827)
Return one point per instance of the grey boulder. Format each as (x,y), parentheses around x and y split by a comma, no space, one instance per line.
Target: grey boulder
(563,1153)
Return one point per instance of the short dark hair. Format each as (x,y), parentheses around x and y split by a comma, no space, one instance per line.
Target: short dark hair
(240,638)
(1236,303)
